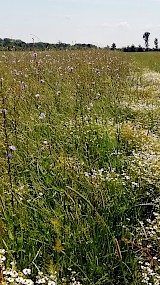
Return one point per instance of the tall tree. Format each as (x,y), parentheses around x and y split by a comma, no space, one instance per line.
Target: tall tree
(156,43)
(146,39)
(113,46)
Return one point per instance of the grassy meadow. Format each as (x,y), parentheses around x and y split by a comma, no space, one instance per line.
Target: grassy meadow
(79,167)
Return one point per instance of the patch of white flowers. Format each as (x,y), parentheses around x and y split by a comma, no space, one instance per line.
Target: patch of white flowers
(140,106)
(150,275)
(149,232)
(11,276)
(144,159)
(151,76)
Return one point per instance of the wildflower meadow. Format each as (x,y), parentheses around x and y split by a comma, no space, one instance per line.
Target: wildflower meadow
(79,167)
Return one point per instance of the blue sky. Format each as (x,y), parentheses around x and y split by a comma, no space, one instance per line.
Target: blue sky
(100,22)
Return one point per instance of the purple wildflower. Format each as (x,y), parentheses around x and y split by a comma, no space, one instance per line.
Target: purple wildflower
(9,156)
(34,54)
(12,147)
(70,68)
(5,111)
(57,86)
(42,116)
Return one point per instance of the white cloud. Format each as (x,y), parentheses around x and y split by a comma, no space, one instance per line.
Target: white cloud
(117,25)
(122,25)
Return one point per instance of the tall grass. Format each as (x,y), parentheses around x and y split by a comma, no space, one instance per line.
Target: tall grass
(71,183)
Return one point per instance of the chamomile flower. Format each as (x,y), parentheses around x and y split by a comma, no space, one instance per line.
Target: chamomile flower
(26,271)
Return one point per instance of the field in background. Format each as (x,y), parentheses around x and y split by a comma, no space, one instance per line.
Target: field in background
(79,167)
(148,60)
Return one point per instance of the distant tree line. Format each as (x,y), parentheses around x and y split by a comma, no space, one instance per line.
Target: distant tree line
(12,44)
(133,48)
